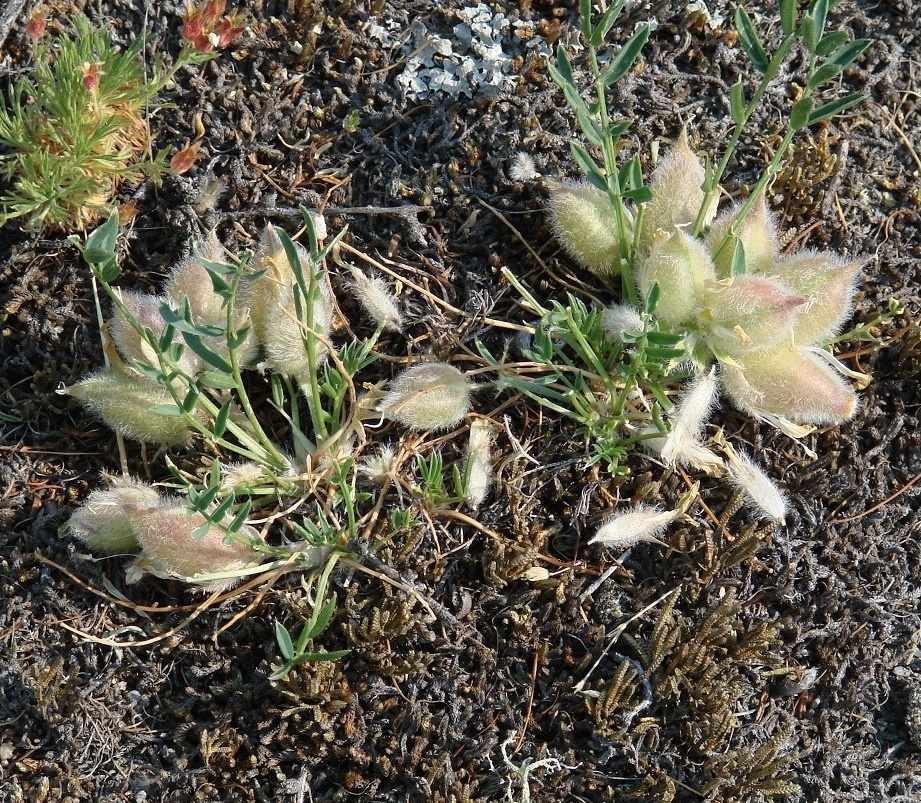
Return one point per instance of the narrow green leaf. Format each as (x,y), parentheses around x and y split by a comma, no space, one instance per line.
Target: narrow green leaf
(834,107)
(182,320)
(585,17)
(220,512)
(849,53)
(751,43)
(641,195)
(831,42)
(285,645)
(237,339)
(618,129)
(314,657)
(168,410)
(215,379)
(631,174)
(588,166)
(239,520)
(738,258)
(737,102)
(799,115)
(203,499)
(620,65)
(320,620)
(819,11)
(788,16)
(661,353)
(200,531)
(564,66)
(213,359)
(808,32)
(190,400)
(822,75)
(603,28)
(166,338)
(652,298)
(220,420)
(278,391)
(664,338)
(282,672)
(575,100)
(589,127)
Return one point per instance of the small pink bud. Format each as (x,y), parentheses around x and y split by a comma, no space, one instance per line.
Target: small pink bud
(36,24)
(788,382)
(126,404)
(758,233)
(585,222)
(640,523)
(681,266)
(91,76)
(104,520)
(433,395)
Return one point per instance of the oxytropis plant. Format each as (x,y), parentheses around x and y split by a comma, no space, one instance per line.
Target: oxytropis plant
(282,490)
(708,295)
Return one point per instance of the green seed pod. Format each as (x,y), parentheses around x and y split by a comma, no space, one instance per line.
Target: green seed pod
(126,404)
(585,222)
(104,520)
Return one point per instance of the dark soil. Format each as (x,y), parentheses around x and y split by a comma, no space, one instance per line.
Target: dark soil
(782,659)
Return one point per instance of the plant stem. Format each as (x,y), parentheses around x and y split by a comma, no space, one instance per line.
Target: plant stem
(628,285)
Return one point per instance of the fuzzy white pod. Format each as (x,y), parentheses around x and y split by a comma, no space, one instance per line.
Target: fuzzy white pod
(620,318)
(377,299)
(756,485)
(433,395)
(639,523)
(168,548)
(690,416)
(127,404)
(479,463)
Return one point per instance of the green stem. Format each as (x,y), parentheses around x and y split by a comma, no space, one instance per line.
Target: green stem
(628,285)
(266,442)
(711,191)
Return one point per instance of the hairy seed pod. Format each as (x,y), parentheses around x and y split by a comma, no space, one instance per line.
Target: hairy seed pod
(433,395)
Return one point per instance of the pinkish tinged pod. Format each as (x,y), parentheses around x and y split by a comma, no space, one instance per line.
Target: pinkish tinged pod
(790,383)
